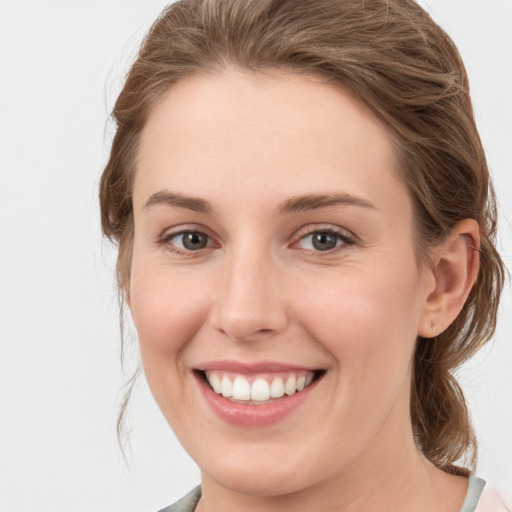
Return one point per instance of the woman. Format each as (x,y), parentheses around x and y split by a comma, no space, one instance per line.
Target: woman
(306,236)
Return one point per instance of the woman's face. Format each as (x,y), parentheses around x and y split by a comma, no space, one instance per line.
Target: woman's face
(273,251)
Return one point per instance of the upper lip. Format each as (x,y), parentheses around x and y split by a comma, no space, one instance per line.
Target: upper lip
(250,368)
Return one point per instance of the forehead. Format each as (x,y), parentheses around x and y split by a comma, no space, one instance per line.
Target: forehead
(279,132)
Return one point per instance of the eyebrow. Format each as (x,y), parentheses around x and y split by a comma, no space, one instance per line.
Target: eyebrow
(294,204)
(314,201)
(172,199)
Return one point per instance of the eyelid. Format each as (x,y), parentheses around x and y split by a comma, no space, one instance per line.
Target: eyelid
(347,237)
(169,233)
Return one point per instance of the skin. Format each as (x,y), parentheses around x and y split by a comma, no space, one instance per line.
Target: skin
(247,143)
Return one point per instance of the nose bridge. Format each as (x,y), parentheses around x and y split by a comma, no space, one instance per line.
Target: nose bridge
(250,304)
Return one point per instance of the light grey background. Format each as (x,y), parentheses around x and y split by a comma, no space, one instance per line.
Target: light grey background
(61,66)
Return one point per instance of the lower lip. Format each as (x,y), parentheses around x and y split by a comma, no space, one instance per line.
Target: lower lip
(253,415)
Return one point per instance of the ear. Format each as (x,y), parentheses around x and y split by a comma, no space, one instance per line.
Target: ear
(449,281)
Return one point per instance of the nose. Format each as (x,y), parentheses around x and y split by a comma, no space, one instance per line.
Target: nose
(250,304)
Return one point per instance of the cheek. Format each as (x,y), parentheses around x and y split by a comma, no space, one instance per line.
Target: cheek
(367,319)
(167,310)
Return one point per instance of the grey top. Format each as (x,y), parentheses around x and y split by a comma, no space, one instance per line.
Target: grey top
(188,503)
(475,488)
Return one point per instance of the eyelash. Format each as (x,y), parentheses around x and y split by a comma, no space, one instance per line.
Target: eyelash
(166,241)
(342,236)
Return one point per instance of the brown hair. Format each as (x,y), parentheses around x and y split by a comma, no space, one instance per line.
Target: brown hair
(406,69)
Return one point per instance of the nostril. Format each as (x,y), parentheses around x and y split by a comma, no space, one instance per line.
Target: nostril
(244,333)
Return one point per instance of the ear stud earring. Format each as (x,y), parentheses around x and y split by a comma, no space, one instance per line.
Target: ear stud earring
(433,326)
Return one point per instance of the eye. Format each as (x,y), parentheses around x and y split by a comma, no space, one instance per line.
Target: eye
(324,240)
(186,241)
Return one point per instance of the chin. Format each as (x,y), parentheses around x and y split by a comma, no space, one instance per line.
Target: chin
(255,482)
(265,475)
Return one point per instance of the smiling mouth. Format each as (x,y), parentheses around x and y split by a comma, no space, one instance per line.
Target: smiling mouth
(258,389)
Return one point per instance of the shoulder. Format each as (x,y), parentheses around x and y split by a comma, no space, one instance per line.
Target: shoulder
(482,497)
(491,501)
(187,503)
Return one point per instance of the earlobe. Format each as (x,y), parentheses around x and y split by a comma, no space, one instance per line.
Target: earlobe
(454,272)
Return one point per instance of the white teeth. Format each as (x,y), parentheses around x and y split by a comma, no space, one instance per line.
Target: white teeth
(238,387)
(260,390)
(226,387)
(241,389)
(215,383)
(291,386)
(277,388)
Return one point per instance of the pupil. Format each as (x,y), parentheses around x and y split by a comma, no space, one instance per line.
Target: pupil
(324,241)
(194,241)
